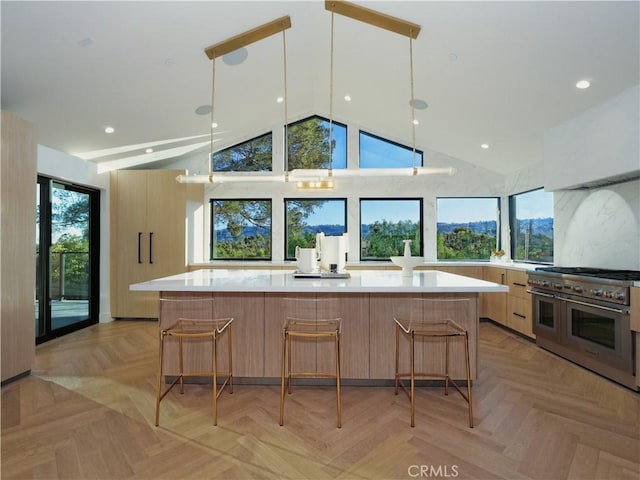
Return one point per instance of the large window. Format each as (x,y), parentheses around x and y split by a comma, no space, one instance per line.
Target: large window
(467,228)
(309,144)
(251,156)
(241,229)
(306,217)
(376,152)
(385,223)
(532,226)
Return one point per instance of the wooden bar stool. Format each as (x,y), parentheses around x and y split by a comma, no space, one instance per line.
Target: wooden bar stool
(194,323)
(431,320)
(313,320)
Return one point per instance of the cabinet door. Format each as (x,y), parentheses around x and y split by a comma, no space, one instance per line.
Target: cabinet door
(495,304)
(129,252)
(147,236)
(165,224)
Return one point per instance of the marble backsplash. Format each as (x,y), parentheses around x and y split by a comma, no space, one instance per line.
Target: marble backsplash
(598,227)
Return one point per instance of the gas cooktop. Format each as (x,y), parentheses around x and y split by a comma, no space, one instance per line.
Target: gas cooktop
(624,275)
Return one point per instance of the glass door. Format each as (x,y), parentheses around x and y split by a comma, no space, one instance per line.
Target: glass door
(67,253)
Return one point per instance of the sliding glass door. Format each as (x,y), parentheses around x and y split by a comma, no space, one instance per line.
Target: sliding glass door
(67,258)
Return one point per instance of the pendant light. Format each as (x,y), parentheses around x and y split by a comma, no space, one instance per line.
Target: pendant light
(227,46)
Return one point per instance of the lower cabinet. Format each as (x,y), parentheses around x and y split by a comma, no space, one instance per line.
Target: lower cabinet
(494,305)
(519,306)
(512,309)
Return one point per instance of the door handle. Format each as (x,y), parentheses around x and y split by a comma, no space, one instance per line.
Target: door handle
(151,247)
(139,248)
(519,315)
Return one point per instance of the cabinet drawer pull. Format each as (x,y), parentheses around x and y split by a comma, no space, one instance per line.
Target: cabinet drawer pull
(519,284)
(139,248)
(519,315)
(151,247)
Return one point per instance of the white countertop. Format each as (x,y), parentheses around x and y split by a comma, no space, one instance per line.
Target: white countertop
(381,281)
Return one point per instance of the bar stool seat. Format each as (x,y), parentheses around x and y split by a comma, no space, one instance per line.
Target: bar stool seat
(194,323)
(310,319)
(431,318)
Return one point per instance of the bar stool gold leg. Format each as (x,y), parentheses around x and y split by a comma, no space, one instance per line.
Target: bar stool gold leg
(413,379)
(181,366)
(229,345)
(282,377)
(446,366)
(339,393)
(159,378)
(469,394)
(397,356)
(214,355)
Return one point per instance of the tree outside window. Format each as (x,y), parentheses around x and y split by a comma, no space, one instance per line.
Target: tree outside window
(308,142)
(305,218)
(241,229)
(385,223)
(531,222)
(467,228)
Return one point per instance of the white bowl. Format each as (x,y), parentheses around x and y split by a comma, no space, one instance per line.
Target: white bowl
(407,263)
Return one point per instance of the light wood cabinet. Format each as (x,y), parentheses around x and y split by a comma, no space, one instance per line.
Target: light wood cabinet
(494,305)
(519,307)
(17,241)
(147,236)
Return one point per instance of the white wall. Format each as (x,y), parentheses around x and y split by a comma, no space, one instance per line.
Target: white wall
(62,166)
(602,142)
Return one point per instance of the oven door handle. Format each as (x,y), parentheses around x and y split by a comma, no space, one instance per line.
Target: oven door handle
(592,305)
(533,292)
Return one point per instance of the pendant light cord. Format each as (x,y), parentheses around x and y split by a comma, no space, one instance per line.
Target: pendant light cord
(286,106)
(211,121)
(331,100)
(412,103)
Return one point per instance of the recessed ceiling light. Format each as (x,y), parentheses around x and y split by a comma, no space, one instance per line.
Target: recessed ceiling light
(203,110)
(109,130)
(236,57)
(214,125)
(416,121)
(582,84)
(484,145)
(280,99)
(149,150)
(85,42)
(452,57)
(418,104)
(347,98)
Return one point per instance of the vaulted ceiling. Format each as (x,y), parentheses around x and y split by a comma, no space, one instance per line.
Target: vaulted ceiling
(500,73)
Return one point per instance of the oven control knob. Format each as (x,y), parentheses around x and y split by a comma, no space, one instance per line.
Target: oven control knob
(557,286)
(545,283)
(619,296)
(597,293)
(608,294)
(577,288)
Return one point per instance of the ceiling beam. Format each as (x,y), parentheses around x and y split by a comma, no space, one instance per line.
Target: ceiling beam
(374,18)
(248,37)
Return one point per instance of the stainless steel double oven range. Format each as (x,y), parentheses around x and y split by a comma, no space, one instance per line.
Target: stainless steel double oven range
(582,314)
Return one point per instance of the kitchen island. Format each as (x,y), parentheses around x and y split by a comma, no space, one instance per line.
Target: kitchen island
(366,300)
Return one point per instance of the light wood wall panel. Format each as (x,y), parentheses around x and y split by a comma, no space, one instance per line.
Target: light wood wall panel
(18,179)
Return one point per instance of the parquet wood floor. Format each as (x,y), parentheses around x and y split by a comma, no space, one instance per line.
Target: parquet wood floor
(87,412)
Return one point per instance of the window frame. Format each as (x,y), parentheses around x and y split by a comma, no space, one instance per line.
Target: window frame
(287,257)
(212,242)
(513,228)
(498,245)
(420,201)
(419,153)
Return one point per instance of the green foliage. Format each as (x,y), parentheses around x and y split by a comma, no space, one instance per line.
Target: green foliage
(70,267)
(385,239)
(309,144)
(248,223)
(252,156)
(464,244)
